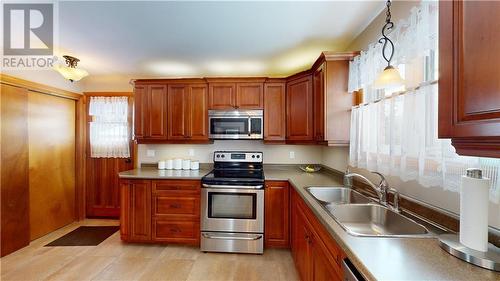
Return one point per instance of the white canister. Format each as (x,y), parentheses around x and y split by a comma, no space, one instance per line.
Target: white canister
(195,165)
(161,165)
(178,164)
(169,164)
(186,164)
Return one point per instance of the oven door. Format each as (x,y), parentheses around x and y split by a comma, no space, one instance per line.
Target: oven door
(232,210)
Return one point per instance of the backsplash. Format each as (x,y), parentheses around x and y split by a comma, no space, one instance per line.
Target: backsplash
(273,154)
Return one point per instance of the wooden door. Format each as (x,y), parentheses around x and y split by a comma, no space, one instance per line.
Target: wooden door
(141,108)
(319,103)
(221,95)
(102,182)
(277,214)
(250,95)
(299,100)
(51,162)
(178,111)
(15,223)
(198,129)
(157,95)
(274,112)
(469,85)
(136,216)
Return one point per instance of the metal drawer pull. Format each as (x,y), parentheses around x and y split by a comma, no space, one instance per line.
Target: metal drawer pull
(256,237)
(233,186)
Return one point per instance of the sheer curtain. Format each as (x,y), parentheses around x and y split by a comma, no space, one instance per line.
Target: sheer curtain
(109,132)
(395,131)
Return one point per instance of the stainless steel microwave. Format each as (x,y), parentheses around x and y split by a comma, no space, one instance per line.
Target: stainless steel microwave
(236,124)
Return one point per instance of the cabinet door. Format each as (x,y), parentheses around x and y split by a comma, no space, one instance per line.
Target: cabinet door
(469,88)
(299,100)
(157,95)
(277,202)
(198,129)
(274,112)
(301,251)
(249,95)
(322,268)
(178,99)
(319,103)
(135,216)
(222,95)
(141,109)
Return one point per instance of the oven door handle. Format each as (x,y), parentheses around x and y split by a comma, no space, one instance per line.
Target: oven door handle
(256,237)
(219,186)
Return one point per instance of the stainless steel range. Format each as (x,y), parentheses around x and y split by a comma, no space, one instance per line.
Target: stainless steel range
(232,202)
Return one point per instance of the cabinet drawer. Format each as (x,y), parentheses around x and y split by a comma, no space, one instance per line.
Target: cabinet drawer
(176,206)
(176,187)
(173,231)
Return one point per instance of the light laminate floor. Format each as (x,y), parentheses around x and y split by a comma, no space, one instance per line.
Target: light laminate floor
(114,260)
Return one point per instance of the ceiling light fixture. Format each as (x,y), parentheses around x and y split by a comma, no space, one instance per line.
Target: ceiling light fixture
(70,71)
(390,77)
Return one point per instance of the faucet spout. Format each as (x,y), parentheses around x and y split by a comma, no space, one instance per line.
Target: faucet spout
(381,189)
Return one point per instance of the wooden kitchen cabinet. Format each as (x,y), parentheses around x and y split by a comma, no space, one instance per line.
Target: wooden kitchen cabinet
(135,210)
(274,111)
(277,214)
(315,253)
(469,88)
(332,102)
(230,93)
(150,112)
(163,211)
(299,109)
(187,112)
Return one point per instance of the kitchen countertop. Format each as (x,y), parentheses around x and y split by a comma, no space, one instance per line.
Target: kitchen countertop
(375,258)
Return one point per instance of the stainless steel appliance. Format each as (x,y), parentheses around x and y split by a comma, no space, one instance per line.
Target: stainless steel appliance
(236,124)
(232,202)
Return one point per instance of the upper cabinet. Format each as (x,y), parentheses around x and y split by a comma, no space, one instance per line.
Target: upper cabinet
(469,84)
(299,109)
(332,102)
(171,111)
(230,94)
(275,110)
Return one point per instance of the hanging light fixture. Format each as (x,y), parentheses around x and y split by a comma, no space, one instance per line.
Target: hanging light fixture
(69,71)
(390,77)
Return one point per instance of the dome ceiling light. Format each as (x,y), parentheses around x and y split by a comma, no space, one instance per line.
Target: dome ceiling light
(69,71)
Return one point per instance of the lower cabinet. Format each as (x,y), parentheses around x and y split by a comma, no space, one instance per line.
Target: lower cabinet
(315,253)
(277,214)
(160,211)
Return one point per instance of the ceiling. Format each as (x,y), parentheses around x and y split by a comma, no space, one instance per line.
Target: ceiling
(188,39)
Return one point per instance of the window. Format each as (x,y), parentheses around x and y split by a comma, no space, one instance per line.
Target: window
(109,131)
(394,131)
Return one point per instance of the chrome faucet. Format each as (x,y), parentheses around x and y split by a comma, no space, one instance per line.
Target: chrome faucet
(381,189)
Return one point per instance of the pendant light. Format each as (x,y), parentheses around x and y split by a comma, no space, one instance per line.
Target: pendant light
(70,71)
(390,77)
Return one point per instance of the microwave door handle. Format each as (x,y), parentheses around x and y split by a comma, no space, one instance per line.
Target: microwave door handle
(249,126)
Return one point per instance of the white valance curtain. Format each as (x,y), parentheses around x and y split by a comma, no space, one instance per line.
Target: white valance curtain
(395,133)
(109,132)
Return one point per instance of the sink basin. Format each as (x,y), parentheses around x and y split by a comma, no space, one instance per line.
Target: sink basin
(374,220)
(337,195)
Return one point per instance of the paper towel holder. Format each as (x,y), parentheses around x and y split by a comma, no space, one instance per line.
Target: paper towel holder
(489,259)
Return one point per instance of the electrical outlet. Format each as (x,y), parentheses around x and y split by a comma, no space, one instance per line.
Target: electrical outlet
(150,153)
(292,155)
(191,152)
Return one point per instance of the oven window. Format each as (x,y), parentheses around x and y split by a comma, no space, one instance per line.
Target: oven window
(229,126)
(227,205)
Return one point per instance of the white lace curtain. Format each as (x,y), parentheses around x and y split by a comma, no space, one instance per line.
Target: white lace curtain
(109,132)
(395,133)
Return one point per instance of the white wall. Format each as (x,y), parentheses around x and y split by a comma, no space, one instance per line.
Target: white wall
(273,154)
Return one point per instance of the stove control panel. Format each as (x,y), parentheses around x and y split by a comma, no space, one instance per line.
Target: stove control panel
(238,156)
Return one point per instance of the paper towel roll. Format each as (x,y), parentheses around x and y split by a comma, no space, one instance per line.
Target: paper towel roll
(474,196)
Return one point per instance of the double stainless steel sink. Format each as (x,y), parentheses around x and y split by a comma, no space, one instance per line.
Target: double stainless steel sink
(360,216)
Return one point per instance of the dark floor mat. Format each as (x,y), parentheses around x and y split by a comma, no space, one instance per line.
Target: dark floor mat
(85,236)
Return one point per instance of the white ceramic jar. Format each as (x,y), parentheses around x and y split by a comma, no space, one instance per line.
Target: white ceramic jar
(178,164)
(186,164)
(195,165)
(169,164)
(161,165)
